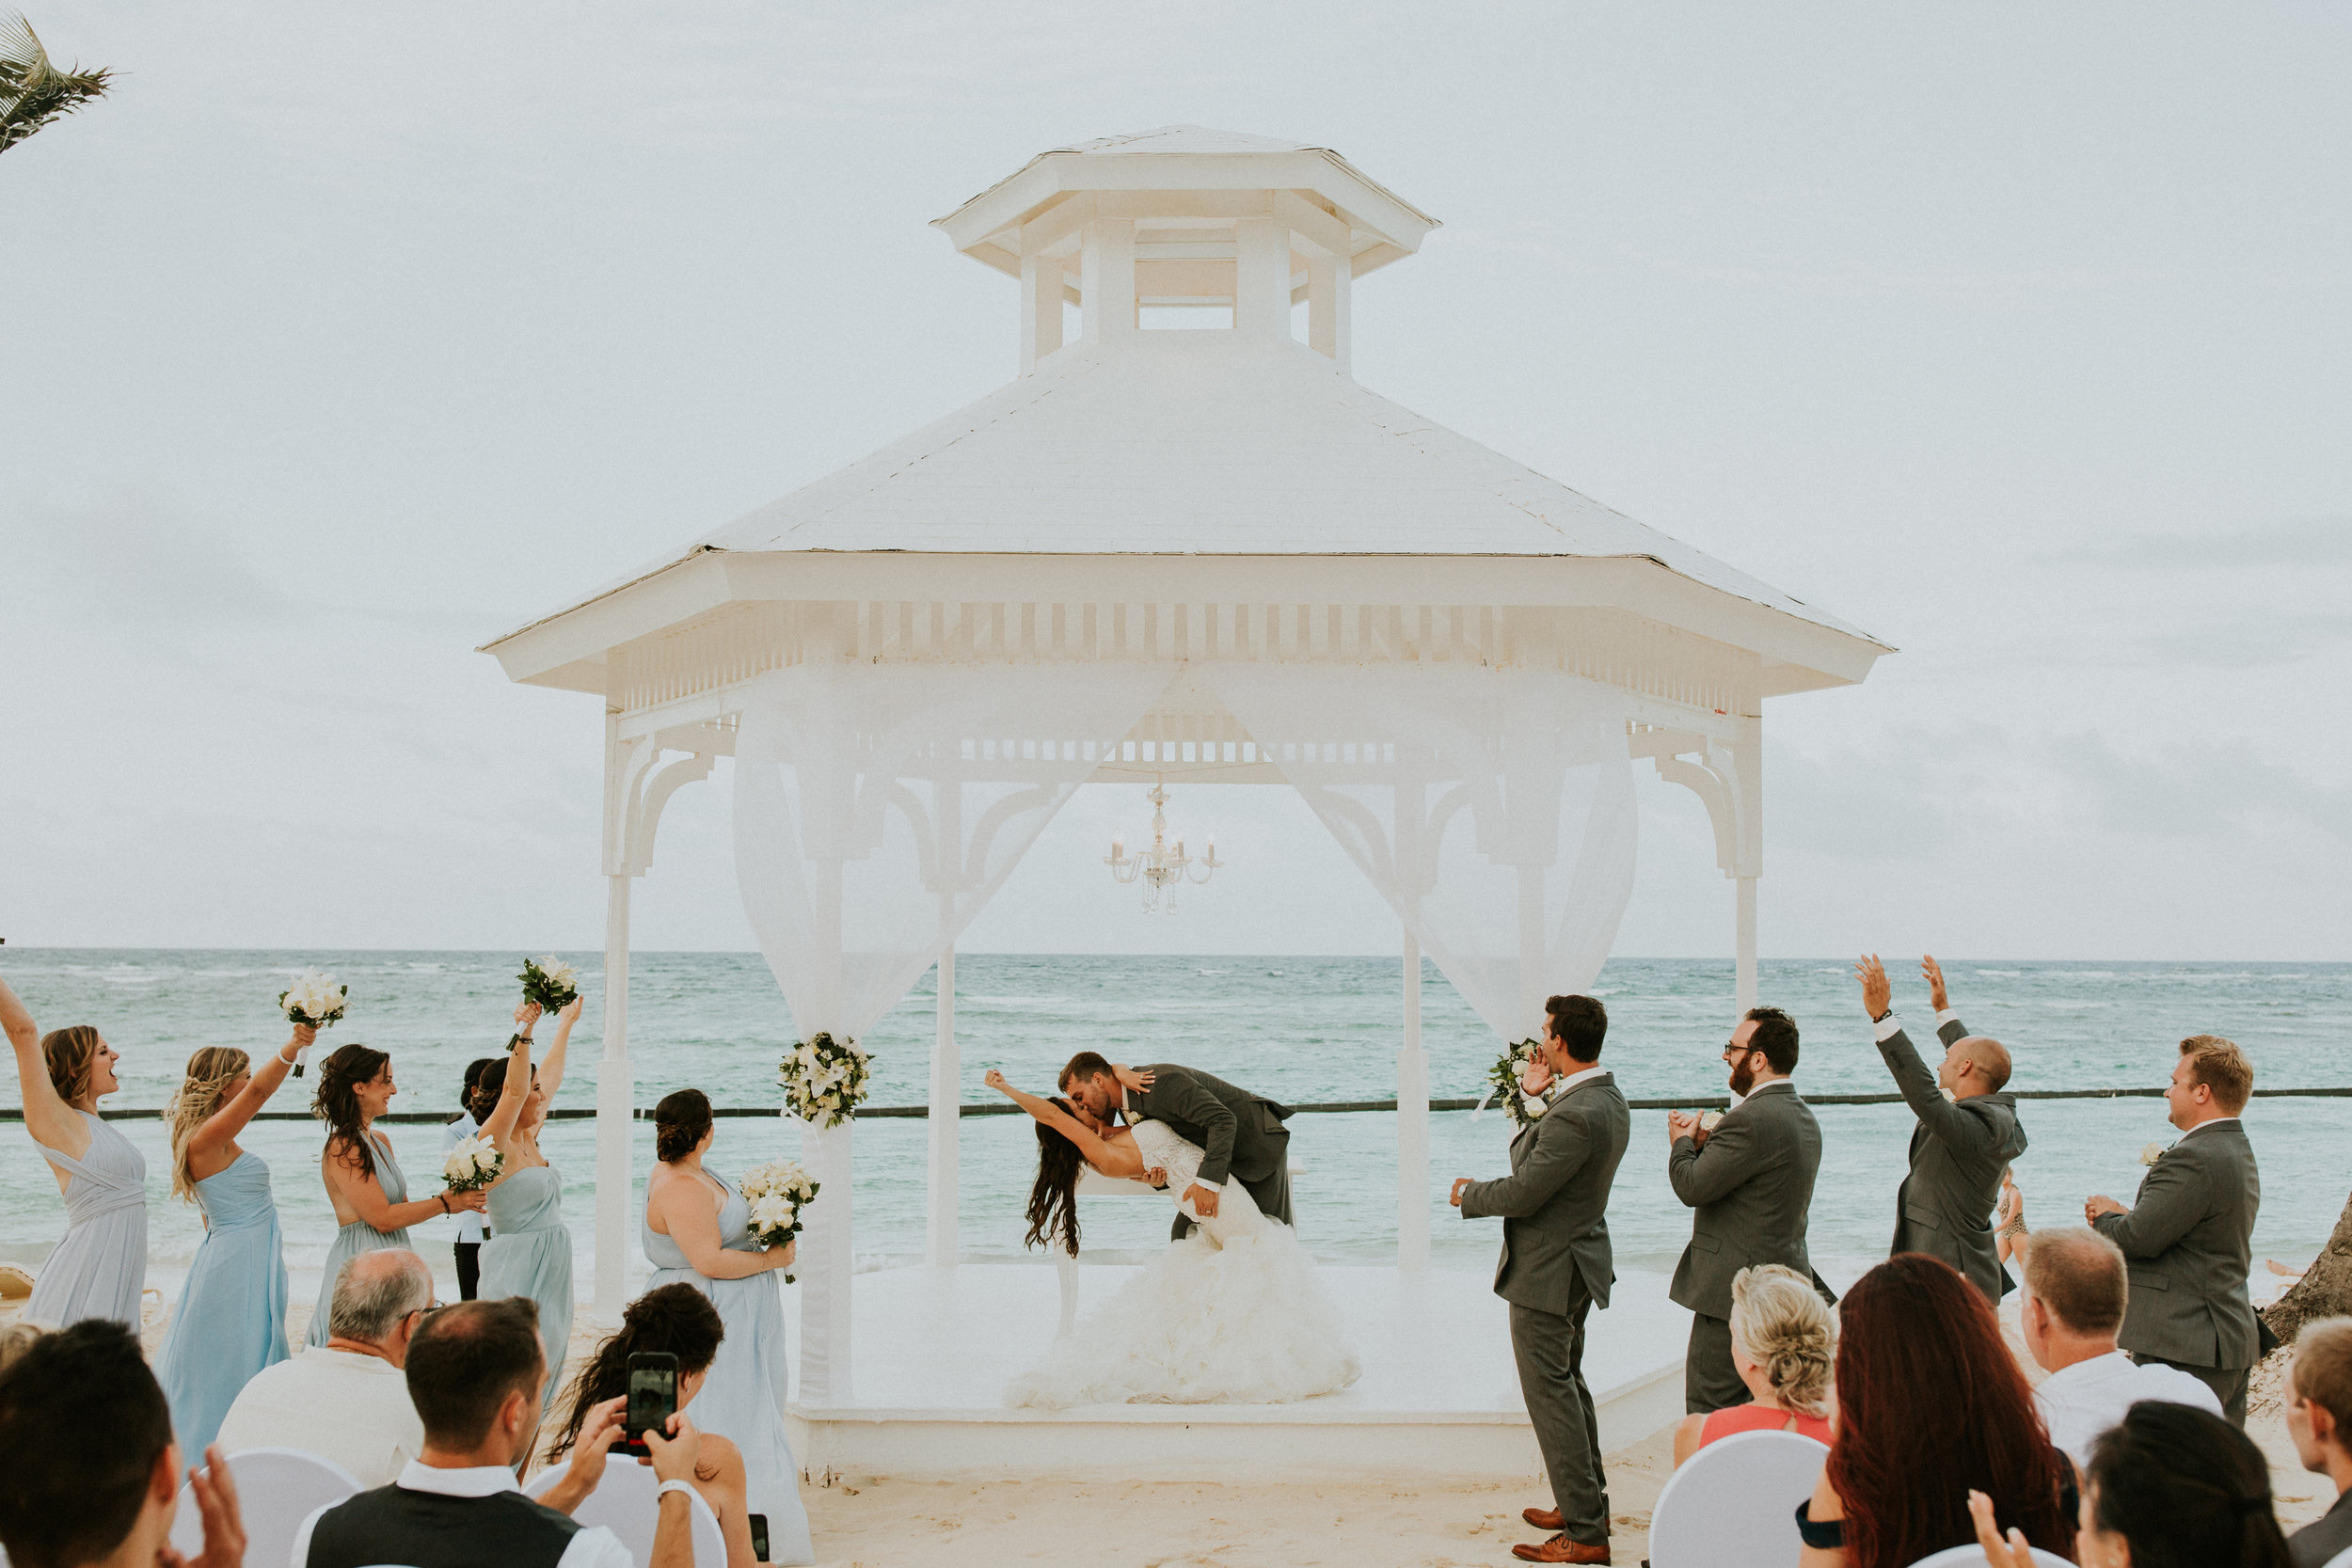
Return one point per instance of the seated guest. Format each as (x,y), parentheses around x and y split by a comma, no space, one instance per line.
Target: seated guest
(90,1475)
(345,1401)
(1931,1404)
(2319,1418)
(2076,1288)
(16,1339)
(1784,1344)
(476,1371)
(679,1320)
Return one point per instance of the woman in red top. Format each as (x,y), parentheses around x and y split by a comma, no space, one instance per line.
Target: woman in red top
(1784,1342)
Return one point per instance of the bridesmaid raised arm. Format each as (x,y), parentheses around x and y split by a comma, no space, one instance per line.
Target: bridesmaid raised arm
(530,1250)
(99,1267)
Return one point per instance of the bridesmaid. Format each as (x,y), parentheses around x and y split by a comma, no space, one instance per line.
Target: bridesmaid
(363,1181)
(100,1268)
(529,1252)
(231,1321)
(698,1232)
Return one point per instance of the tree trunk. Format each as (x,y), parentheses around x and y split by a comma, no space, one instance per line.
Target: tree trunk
(2326,1292)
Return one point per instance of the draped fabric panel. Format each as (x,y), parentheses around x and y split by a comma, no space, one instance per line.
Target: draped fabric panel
(1493,809)
(878,808)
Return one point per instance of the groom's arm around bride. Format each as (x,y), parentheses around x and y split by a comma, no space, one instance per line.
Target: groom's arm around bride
(1556,1266)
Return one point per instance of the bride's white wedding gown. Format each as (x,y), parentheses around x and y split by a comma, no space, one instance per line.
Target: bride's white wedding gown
(1232,1314)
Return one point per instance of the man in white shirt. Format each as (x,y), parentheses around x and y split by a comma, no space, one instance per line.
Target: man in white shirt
(475,1371)
(2076,1288)
(345,1401)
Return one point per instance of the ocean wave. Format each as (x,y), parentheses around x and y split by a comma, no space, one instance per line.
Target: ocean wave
(1999,974)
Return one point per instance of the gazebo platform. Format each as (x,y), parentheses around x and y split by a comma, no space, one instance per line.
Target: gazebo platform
(935,1348)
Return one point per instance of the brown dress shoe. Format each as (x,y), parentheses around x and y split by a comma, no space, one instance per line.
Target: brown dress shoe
(1542,1518)
(1561,1549)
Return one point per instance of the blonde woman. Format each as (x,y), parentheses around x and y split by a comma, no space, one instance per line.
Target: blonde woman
(231,1320)
(1784,1344)
(100,1268)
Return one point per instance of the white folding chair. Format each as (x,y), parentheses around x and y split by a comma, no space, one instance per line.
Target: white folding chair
(626,1502)
(1973,1556)
(2342,1560)
(277,1490)
(1734,1503)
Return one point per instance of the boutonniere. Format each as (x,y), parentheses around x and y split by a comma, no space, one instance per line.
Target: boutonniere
(2153,1152)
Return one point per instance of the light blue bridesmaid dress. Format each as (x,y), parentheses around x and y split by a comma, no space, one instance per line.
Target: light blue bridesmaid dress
(99,1267)
(359,1236)
(742,1398)
(530,1253)
(231,1320)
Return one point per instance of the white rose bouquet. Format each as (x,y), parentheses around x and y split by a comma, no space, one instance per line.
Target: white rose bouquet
(823,1079)
(315,999)
(474,1163)
(777,1192)
(1503,1079)
(550,982)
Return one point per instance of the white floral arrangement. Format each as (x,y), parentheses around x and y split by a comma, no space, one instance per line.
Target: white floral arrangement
(550,982)
(1503,1079)
(2150,1153)
(823,1079)
(316,999)
(475,1162)
(777,1192)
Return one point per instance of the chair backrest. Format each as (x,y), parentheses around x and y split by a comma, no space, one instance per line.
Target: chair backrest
(1973,1556)
(2342,1560)
(1733,1504)
(627,1502)
(277,1490)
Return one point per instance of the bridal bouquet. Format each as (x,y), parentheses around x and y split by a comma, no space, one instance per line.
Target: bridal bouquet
(315,999)
(1504,1078)
(550,982)
(823,1079)
(777,1192)
(474,1163)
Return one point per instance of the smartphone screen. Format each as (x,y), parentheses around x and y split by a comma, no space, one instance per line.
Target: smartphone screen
(652,1396)
(759,1536)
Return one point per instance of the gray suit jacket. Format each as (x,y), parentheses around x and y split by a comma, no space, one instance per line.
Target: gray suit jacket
(1241,1135)
(1944,1206)
(1554,1204)
(1751,1184)
(2191,1240)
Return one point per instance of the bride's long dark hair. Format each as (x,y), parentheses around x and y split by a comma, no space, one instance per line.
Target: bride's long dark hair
(1054,1196)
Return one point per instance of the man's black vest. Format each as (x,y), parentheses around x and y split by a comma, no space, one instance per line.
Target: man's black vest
(426,1529)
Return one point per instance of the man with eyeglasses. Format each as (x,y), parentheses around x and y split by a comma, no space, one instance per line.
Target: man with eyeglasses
(1748,1179)
(348,1399)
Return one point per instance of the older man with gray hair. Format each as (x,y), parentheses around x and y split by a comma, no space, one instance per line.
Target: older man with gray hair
(347,1400)
(2077,1285)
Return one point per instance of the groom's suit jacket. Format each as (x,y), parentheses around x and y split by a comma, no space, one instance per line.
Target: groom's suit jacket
(1555,1202)
(2189,1242)
(1752,1187)
(1958,1152)
(1241,1135)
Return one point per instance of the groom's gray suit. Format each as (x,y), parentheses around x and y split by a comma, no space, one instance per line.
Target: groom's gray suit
(1241,1135)
(1556,1267)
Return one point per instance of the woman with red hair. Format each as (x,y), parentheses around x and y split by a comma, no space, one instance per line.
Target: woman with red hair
(1931,1406)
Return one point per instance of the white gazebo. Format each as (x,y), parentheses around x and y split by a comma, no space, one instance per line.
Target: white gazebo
(1202,555)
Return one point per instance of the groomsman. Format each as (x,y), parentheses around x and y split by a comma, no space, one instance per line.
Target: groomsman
(1556,1264)
(2189,1233)
(1968,1132)
(1750,1181)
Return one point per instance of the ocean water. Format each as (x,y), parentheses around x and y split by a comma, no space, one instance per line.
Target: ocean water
(1303,1030)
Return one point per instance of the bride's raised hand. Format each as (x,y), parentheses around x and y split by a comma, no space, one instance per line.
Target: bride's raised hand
(996,1080)
(1135,1080)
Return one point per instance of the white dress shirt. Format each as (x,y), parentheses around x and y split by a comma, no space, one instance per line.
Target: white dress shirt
(2080,1401)
(341,1405)
(592,1547)
(469,1220)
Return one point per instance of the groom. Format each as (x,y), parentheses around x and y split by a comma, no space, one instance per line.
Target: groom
(1241,1135)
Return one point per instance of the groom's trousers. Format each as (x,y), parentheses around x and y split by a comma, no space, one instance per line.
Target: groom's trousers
(1549,1347)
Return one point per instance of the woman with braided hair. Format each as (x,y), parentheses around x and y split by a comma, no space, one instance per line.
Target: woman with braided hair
(231,1321)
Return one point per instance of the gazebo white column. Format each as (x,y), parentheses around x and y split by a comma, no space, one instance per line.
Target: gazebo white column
(1723,767)
(940,1247)
(1412,1126)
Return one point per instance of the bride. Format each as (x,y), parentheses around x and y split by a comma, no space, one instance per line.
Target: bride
(1232,1314)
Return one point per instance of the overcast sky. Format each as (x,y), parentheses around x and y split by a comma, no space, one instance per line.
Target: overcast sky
(339,338)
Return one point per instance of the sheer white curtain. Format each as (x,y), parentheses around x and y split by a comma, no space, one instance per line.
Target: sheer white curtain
(1493,809)
(877,809)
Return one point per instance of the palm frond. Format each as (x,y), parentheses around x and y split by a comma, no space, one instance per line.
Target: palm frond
(33,91)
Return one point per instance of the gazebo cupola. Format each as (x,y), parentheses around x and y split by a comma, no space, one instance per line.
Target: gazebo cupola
(1186,218)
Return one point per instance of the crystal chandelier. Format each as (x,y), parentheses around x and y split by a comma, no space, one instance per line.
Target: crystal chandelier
(1160,868)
